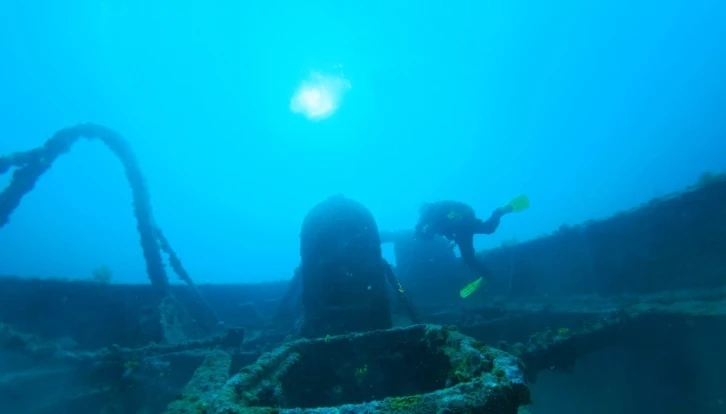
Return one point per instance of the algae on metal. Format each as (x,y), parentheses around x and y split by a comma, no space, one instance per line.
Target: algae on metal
(202,388)
(418,369)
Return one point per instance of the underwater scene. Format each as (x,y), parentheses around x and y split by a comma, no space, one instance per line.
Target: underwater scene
(323,207)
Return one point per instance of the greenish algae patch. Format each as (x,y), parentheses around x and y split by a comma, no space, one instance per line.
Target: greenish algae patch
(197,395)
(404,403)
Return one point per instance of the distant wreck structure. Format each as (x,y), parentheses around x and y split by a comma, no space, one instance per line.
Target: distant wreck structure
(421,262)
(419,258)
(341,269)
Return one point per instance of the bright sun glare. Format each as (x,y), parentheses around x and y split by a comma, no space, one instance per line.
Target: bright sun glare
(319,96)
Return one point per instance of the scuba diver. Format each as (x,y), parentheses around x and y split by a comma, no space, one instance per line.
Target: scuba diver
(458,223)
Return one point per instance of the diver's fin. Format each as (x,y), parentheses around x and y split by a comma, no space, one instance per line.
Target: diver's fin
(519,203)
(471,288)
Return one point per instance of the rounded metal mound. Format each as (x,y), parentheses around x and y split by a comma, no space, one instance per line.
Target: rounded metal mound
(417,369)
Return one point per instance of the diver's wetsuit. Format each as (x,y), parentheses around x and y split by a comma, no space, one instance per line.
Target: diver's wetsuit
(458,222)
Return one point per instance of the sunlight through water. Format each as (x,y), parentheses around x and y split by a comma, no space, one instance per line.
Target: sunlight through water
(319,96)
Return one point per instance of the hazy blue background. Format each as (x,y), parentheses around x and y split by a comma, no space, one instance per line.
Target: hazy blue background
(589,107)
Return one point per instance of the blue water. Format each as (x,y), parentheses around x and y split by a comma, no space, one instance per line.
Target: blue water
(588,107)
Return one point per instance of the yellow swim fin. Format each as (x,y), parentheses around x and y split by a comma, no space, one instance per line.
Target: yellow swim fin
(471,288)
(519,203)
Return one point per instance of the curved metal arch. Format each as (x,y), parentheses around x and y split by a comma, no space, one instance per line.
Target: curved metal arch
(32,164)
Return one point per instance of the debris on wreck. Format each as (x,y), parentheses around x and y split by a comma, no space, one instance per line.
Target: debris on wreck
(118,377)
(36,350)
(417,369)
(559,349)
(569,338)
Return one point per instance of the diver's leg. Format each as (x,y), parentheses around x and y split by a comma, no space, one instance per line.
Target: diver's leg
(489,225)
(468,254)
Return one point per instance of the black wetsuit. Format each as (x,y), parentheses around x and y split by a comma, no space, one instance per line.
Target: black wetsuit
(458,222)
